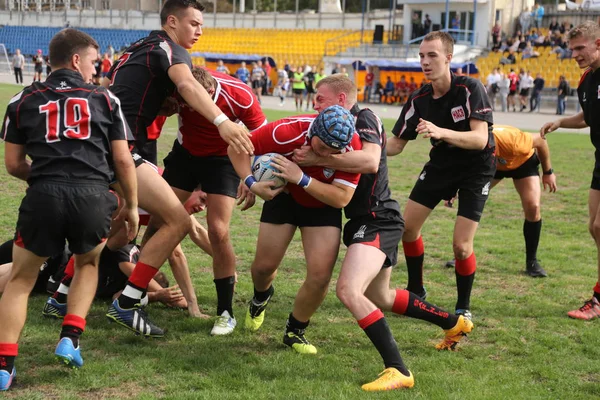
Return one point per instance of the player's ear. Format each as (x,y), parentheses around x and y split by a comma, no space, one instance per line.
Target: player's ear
(597,41)
(76,62)
(172,21)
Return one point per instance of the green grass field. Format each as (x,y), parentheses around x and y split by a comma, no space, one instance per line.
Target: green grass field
(523,345)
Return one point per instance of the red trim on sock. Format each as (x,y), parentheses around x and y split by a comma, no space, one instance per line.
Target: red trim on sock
(467,266)
(9,349)
(142,275)
(70,268)
(370,319)
(19,240)
(74,320)
(597,288)
(414,249)
(401,302)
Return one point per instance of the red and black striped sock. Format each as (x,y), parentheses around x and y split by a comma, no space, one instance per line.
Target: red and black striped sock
(136,285)
(411,305)
(377,329)
(597,291)
(72,327)
(465,275)
(414,253)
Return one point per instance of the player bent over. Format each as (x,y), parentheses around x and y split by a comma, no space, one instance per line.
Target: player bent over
(372,235)
(518,156)
(312,202)
(199,158)
(584,41)
(69,128)
(454,112)
(147,74)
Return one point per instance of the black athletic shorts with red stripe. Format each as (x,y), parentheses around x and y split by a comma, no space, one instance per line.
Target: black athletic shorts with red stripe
(52,212)
(283,209)
(382,232)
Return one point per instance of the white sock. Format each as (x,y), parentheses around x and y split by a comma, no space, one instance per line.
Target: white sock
(132,293)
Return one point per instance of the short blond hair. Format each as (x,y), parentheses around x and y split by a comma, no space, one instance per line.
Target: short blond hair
(204,78)
(444,37)
(340,83)
(588,30)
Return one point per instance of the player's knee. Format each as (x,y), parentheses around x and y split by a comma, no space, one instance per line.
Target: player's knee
(218,233)
(596,230)
(532,211)
(462,250)
(346,292)
(264,268)
(318,280)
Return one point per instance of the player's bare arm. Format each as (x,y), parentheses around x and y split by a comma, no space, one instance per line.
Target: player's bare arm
(198,98)
(573,122)
(365,161)
(241,164)
(126,175)
(543,152)
(475,139)
(334,194)
(16,162)
(395,146)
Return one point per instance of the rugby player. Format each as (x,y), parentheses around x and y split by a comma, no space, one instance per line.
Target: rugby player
(69,129)
(454,112)
(584,42)
(313,203)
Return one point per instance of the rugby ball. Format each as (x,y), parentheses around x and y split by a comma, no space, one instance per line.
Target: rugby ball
(263,171)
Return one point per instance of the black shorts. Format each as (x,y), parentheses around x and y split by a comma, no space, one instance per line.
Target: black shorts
(257,84)
(310,88)
(38,69)
(512,92)
(382,233)
(148,151)
(472,184)
(54,211)
(524,92)
(531,167)
(283,209)
(214,174)
(596,173)
(297,91)
(110,281)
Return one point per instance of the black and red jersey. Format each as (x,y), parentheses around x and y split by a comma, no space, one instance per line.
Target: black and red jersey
(588,92)
(466,99)
(199,136)
(140,79)
(372,196)
(66,126)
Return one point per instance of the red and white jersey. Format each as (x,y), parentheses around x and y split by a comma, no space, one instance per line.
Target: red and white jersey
(286,135)
(199,136)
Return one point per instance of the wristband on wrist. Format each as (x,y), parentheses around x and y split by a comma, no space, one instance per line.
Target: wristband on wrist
(220,119)
(249,181)
(549,172)
(304,181)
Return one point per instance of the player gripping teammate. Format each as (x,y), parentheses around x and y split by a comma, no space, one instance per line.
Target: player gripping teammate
(199,157)
(312,203)
(372,235)
(584,41)
(454,112)
(146,74)
(518,156)
(69,128)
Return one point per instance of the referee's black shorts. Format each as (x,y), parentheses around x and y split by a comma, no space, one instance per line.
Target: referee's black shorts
(472,183)
(283,209)
(383,233)
(51,212)
(531,167)
(596,174)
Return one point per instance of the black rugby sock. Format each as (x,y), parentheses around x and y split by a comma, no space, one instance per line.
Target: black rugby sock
(532,231)
(224,288)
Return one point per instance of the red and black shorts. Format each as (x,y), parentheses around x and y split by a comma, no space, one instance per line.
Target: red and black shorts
(283,209)
(383,233)
(54,211)
(472,183)
(214,174)
(531,167)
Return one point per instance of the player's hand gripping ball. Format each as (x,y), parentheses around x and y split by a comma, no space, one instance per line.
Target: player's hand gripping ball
(263,171)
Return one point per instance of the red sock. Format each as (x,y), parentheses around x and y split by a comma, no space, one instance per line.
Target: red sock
(74,321)
(414,253)
(401,302)
(370,319)
(70,268)
(414,249)
(467,266)
(142,275)
(9,349)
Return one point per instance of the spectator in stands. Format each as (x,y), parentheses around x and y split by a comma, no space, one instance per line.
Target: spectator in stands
(562,53)
(529,52)
(98,67)
(557,39)
(38,66)
(459,72)
(497,35)
(369,79)
(388,91)
(266,66)
(319,75)
(455,25)
(111,52)
(402,90)
(565,27)
(553,25)
(336,69)
(525,85)
(536,94)
(510,59)
(426,25)
(106,64)
(538,15)
(18,62)
(242,73)
(379,91)
(563,92)
(257,77)
(48,65)
(412,85)
(522,44)
(344,71)
(525,20)
(492,86)
(416,26)
(222,68)
(423,82)
(504,86)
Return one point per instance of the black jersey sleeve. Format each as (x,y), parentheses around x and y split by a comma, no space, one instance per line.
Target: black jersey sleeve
(406,125)
(171,54)
(129,253)
(479,102)
(120,129)
(369,127)
(10,130)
